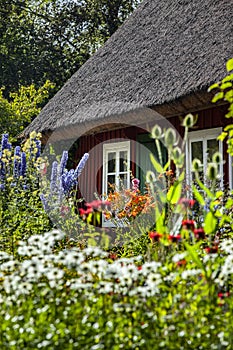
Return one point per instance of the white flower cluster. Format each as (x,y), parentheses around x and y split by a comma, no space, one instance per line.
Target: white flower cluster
(89,271)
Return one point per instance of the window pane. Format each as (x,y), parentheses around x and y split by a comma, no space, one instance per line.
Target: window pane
(111,162)
(123,180)
(197,150)
(111,183)
(212,147)
(123,161)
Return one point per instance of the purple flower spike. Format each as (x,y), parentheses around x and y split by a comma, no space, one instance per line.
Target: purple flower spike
(16,168)
(23,164)
(53,183)
(63,162)
(81,165)
(17,151)
(4,143)
(44,202)
(38,146)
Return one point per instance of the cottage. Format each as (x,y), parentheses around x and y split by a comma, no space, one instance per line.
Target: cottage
(156,68)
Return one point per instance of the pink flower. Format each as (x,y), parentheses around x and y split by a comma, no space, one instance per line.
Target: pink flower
(135,184)
(97,204)
(187,203)
(64,210)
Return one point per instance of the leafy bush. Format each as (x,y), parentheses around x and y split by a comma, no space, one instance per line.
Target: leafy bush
(71,298)
(21,211)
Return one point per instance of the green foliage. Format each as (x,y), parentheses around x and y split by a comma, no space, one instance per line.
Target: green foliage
(21,211)
(51,39)
(22,107)
(225,93)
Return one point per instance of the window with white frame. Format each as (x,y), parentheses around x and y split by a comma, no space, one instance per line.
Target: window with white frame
(202,144)
(230,162)
(116,165)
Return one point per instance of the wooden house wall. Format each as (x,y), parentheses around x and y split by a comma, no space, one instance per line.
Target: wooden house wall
(91,179)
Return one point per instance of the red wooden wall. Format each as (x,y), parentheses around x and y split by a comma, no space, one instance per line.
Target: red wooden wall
(91,178)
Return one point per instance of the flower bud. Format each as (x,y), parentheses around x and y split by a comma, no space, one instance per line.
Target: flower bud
(212,171)
(176,153)
(156,132)
(196,165)
(189,121)
(217,158)
(170,137)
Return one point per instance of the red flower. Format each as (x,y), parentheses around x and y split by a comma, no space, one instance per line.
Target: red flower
(155,236)
(199,233)
(139,268)
(211,250)
(181,262)
(174,238)
(112,256)
(188,224)
(83,212)
(223,295)
(188,203)
(97,204)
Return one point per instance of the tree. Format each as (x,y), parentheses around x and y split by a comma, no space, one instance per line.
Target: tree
(51,39)
(22,107)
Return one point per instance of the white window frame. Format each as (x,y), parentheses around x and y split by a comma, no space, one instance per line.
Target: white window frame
(109,148)
(230,162)
(204,136)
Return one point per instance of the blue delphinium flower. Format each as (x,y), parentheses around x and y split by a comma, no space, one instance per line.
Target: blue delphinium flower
(44,202)
(16,162)
(81,165)
(38,146)
(4,143)
(23,164)
(62,181)
(63,162)
(53,183)
(17,151)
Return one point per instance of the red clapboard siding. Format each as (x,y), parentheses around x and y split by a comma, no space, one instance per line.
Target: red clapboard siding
(91,178)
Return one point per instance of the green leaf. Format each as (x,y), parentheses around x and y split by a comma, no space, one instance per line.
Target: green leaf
(198,196)
(222,136)
(174,193)
(214,86)
(205,189)
(158,167)
(159,220)
(210,223)
(229,65)
(181,177)
(227,78)
(226,85)
(192,252)
(218,96)
(229,96)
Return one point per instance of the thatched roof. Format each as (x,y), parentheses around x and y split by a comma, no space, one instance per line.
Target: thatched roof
(167,51)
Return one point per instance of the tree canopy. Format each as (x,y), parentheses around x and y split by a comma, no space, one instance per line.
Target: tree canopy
(51,39)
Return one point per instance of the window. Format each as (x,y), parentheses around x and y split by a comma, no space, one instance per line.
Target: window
(230,162)
(116,169)
(116,165)
(202,145)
